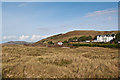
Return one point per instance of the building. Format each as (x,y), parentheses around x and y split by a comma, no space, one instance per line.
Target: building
(105,38)
(60,43)
(87,41)
(118,42)
(94,41)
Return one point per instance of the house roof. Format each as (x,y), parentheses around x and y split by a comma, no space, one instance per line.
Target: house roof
(107,35)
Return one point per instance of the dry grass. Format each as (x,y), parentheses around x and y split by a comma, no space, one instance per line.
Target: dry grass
(40,62)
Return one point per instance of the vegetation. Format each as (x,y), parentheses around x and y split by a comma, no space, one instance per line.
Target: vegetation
(117,38)
(74,35)
(83,38)
(50,42)
(89,38)
(89,61)
(95,38)
(99,45)
(19,61)
(65,41)
(79,39)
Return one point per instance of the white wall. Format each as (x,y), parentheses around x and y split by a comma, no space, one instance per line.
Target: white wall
(104,38)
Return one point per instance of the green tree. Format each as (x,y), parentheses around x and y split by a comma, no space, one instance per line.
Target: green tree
(89,38)
(82,38)
(50,42)
(65,41)
(75,39)
(70,39)
(117,38)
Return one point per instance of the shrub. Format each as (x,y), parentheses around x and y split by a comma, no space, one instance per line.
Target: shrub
(70,39)
(50,42)
(99,45)
(117,38)
(65,41)
(82,38)
(89,38)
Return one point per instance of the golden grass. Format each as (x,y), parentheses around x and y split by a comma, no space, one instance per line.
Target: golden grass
(42,62)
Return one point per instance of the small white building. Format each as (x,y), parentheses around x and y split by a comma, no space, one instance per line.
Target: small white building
(87,41)
(105,38)
(118,42)
(94,41)
(60,43)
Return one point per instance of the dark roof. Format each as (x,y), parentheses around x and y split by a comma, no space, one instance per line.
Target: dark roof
(99,35)
(107,35)
(113,35)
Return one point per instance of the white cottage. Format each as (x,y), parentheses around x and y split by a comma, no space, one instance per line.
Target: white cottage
(105,38)
(60,43)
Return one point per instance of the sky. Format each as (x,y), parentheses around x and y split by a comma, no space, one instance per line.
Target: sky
(60,0)
(32,21)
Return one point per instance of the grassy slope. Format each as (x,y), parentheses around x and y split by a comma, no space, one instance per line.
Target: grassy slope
(66,36)
(20,61)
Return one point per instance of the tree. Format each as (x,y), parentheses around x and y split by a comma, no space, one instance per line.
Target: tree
(50,42)
(82,38)
(117,38)
(70,39)
(75,39)
(65,41)
(89,38)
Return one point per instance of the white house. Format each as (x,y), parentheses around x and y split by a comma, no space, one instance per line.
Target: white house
(118,42)
(105,38)
(87,41)
(60,43)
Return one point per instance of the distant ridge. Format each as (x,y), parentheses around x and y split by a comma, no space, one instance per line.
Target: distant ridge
(18,42)
(75,33)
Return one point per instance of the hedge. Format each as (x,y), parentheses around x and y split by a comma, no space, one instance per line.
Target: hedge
(99,45)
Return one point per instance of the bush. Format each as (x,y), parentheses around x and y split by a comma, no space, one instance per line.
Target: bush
(65,42)
(82,38)
(117,38)
(89,38)
(70,39)
(100,45)
(50,42)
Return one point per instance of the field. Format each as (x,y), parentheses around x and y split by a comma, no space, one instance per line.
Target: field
(19,61)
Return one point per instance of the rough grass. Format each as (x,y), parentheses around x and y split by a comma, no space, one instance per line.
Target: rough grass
(41,62)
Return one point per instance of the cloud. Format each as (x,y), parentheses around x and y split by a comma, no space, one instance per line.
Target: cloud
(23,37)
(5,38)
(101,12)
(38,37)
(22,5)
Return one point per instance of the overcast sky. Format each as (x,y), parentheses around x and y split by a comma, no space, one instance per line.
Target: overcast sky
(32,21)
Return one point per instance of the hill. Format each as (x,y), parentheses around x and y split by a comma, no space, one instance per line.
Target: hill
(71,34)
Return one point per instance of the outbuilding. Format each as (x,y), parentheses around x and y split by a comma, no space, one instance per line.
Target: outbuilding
(60,43)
